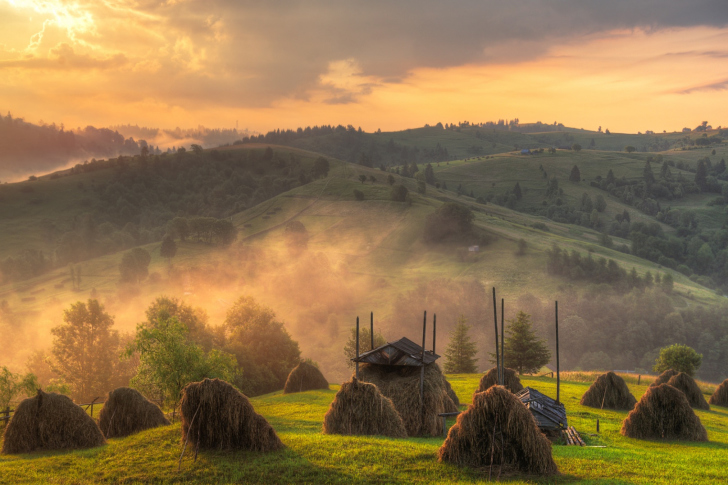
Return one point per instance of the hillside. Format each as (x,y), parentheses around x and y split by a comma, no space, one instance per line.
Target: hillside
(369,255)
(310,457)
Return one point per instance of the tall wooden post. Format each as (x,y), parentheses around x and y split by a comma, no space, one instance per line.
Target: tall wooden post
(357,347)
(434,331)
(503,345)
(371,330)
(558,376)
(422,369)
(497,353)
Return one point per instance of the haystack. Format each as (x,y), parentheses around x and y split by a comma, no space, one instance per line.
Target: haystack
(127,412)
(720,396)
(686,384)
(360,409)
(50,421)
(215,415)
(664,377)
(305,377)
(401,384)
(609,391)
(451,394)
(498,430)
(664,413)
(510,381)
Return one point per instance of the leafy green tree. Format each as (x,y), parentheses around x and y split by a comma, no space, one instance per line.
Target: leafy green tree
(576,147)
(575,175)
(196,149)
(365,343)
(179,228)
(523,351)
(600,204)
(362,178)
(15,385)
(667,283)
(168,361)
(449,220)
(679,357)
(399,193)
(461,351)
(262,346)
(629,149)
(194,319)
(168,248)
(296,236)
(85,349)
(134,266)
(224,232)
(320,168)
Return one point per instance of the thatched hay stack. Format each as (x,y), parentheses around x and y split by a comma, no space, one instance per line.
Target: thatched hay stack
(50,421)
(664,377)
(609,391)
(510,381)
(498,427)
(360,409)
(401,384)
(305,377)
(664,413)
(686,384)
(451,394)
(720,396)
(215,415)
(127,412)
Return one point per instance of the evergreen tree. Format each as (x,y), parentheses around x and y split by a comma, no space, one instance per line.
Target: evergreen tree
(517,191)
(365,343)
(523,351)
(461,351)
(429,174)
(701,176)
(647,173)
(169,248)
(610,177)
(575,175)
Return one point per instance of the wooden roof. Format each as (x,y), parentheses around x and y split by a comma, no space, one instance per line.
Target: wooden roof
(548,413)
(402,352)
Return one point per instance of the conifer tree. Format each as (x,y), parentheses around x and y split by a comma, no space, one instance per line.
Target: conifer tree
(523,351)
(461,351)
(517,191)
(575,175)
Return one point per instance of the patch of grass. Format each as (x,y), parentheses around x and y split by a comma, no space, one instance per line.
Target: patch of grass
(311,457)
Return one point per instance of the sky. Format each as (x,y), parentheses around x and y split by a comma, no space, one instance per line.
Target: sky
(626,65)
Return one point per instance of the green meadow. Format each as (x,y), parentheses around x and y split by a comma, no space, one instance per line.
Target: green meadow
(311,457)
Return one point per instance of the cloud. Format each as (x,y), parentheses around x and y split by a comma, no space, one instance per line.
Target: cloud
(63,57)
(715,86)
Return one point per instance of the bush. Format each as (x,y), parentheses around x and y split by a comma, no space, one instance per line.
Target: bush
(399,193)
(358,194)
(450,220)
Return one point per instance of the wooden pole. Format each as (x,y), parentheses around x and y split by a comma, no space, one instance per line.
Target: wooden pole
(503,345)
(434,331)
(357,347)
(497,353)
(371,330)
(558,376)
(422,369)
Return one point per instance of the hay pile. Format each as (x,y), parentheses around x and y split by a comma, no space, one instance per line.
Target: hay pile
(664,413)
(401,384)
(215,415)
(511,380)
(127,412)
(50,421)
(305,377)
(360,409)
(720,396)
(498,430)
(686,384)
(609,391)
(664,377)
(451,394)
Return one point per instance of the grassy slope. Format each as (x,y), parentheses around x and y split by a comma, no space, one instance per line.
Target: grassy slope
(311,457)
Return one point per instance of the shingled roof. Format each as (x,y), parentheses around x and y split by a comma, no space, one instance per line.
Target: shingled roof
(402,352)
(549,414)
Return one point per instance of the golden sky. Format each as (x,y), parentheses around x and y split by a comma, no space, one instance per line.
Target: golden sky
(624,65)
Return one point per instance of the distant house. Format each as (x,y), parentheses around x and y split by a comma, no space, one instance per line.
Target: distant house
(525,151)
(474,249)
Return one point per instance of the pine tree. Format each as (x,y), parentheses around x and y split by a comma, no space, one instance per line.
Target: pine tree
(523,351)
(517,191)
(461,351)
(575,175)
(701,175)
(168,248)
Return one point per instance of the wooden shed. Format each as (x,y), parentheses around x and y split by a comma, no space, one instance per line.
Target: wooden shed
(550,415)
(402,352)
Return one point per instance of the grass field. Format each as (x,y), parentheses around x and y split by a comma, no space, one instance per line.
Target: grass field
(311,457)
